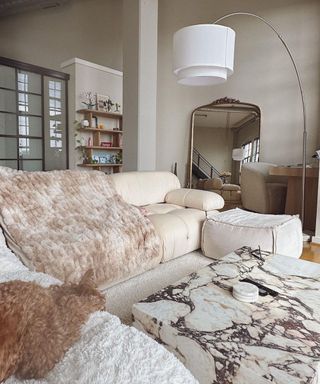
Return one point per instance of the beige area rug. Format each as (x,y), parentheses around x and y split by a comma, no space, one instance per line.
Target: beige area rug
(121,297)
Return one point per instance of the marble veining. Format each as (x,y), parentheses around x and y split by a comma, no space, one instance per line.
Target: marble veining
(222,340)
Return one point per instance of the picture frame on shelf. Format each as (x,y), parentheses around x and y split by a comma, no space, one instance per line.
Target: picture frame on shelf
(102,101)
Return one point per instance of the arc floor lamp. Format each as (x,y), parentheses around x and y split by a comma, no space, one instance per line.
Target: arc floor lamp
(203,54)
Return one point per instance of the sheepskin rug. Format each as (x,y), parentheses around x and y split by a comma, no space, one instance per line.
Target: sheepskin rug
(108,352)
(65,222)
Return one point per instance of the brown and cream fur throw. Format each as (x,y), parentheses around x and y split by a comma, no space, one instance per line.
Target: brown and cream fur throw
(66,222)
(38,325)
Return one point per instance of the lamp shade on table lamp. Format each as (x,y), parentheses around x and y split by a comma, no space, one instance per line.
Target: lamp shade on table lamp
(203,54)
(238,154)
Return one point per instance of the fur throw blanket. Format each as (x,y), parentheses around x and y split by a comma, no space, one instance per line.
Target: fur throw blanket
(39,324)
(66,222)
(107,352)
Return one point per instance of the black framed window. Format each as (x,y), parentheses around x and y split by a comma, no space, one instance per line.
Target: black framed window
(33,117)
(251,151)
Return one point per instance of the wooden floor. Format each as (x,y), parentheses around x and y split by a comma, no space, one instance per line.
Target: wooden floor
(311,252)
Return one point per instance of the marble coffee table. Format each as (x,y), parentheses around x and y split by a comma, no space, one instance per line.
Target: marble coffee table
(222,340)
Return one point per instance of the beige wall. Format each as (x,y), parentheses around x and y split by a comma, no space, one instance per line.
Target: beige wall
(263,75)
(247,133)
(90,29)
(215,144)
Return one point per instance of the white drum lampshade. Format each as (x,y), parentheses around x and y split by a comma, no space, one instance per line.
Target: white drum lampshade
(203,54)
(238,154)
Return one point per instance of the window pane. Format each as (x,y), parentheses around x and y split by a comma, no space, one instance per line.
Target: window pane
(29,103)
(29,82)
(9,163)
(31,165)
(8,124)
(55,124)
(30,126)
(7,77)
(30,148)
(7,101)
(8,148)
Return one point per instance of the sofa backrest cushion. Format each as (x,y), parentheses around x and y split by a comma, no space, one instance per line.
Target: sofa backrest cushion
(144,188)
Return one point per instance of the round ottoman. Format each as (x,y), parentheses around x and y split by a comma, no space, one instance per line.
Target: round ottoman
(233,229)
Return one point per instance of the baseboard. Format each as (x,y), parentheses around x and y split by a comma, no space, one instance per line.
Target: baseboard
(315,239)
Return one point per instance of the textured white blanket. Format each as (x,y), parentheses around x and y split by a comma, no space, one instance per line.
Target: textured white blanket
(108,352)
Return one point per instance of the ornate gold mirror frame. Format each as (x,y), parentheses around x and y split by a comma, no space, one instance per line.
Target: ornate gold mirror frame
(225,103)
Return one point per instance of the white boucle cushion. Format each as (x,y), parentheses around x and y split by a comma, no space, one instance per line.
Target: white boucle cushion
(144,188)
(230,230)
(195,198)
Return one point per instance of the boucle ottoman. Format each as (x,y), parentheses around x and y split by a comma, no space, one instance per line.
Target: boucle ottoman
(230,230)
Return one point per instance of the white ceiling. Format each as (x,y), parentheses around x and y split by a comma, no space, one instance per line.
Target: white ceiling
(10,7)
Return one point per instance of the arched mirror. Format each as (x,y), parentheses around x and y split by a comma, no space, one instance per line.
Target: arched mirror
(224,135)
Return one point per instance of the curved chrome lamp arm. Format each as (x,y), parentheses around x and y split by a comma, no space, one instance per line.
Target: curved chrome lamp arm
(304,151)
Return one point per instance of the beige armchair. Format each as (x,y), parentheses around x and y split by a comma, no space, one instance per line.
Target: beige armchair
(260,191)
(231,193)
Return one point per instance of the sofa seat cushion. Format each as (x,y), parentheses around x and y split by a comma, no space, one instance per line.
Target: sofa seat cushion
(179,231)
(161,208)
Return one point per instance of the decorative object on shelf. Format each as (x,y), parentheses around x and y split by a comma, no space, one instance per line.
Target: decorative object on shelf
(106,144)
(117,107)
(95,159)
(94,122)
(105,103)
(101,126)
(103,160)
(118,158)
(88,98)
(80,144)
(84,123)
(109,105)
(89,142)
(102,102)
(212,46)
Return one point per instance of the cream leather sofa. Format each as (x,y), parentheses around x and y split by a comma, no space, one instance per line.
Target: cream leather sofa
(262,192)
(176,213)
